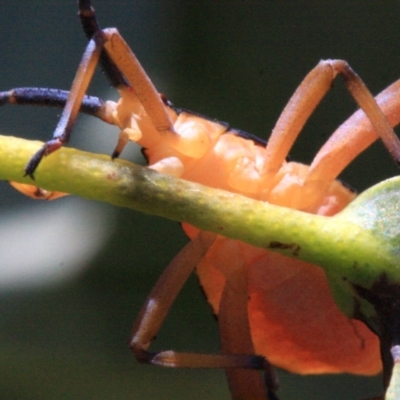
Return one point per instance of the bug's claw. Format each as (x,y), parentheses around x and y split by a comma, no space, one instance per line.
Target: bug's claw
(48,148)
(115,154)
(34,162)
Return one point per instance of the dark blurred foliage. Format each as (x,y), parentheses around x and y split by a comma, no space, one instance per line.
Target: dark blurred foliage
(238,61)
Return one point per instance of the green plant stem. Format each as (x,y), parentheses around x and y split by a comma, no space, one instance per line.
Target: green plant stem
(346,250)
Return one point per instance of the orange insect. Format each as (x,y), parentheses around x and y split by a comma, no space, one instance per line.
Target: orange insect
(270,309)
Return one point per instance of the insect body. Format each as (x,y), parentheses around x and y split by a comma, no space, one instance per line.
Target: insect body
(277,308)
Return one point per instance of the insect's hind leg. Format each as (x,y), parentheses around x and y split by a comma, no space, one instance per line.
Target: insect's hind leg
(323,170)
(156,308)
(301,105)
(234,328)
(368,104)
(309,94)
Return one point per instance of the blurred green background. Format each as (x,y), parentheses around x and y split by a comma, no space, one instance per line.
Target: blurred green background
(63,335)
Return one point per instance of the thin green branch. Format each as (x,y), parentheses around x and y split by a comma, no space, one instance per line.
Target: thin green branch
(358,246)
(344,248)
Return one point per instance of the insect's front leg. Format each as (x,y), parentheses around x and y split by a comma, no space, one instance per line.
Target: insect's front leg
(129,65)
(141,88)
(79,86)
(47,97)
(90,27)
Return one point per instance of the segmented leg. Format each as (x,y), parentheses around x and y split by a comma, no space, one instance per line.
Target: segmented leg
(309,94)
(303,102)
(130,67)
(36,192)
(75,100)
(156,309)
(234,328)
(52,98)
(73,104)
(90,26)
(47,97)
(339,151)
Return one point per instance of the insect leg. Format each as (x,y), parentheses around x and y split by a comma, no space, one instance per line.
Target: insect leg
(323,170)
(368,104)
(297,111)
(157,306)
(46,97)
(73,104)
(90,26)
(308,95)
(152,101)
(236,338)
(353,137)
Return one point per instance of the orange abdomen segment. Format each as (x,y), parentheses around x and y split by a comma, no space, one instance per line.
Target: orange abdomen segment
(293,318)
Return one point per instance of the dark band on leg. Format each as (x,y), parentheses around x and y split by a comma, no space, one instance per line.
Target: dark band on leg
(48,98)
(90,26)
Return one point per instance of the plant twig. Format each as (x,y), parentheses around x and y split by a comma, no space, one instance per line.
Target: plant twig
(334,243)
